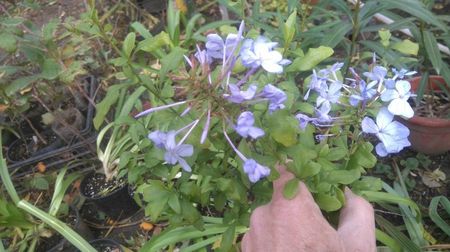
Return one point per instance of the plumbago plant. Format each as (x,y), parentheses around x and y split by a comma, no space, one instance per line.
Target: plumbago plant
(233,119)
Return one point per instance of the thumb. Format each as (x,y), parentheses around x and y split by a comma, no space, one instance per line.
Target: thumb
(357,224)
(279,183)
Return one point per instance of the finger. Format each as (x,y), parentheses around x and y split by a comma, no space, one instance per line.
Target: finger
(285,176)
(357,224)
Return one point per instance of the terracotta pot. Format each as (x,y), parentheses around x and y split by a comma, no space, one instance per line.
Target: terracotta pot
(428,135)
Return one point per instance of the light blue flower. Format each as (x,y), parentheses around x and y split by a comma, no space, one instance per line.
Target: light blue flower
(365,93)
(158,138)
(303,120)
(317,82)
(402,73)
(239,96)
(322,118)
(392,134)
(276,97)
(203,57)
(398,99)
(377,74)
(329,94)
(175,152)
(245,128)
(260,53)
(333,69)
(322,114)
(255,171)
(218,49)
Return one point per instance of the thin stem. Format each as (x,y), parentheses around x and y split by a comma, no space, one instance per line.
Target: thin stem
(234,147)
(355,32)
(189,132)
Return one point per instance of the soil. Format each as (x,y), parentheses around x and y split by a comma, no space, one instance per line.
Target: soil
(107,248)
(420,193)
(436,105)
(32,146)
(97,186)
(46,244)
(55,9)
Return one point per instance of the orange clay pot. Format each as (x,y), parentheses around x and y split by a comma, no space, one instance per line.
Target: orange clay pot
(428,135)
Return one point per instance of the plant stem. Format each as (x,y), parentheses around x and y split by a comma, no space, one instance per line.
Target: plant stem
(355,32)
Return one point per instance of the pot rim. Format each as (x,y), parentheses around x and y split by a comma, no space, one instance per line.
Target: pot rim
(420,120)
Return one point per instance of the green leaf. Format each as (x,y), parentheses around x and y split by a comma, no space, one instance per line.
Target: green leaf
(311,59)
(174,235)
(403,241)
(157,196)
(49,29)
(406,47)
(343,177)
(173,22)
(291,188)
(228,239)
(385,36)
(8,42)
(367,184)
(289,28)
(309,169)
(13,21)
(433,53)
(189,212)
(337,153)
(387,240)
(171,61)
(50,69)
(19,84)
(128,44)
(104,106)
(174,203)
(153,44)
(61,227)
(434,215)
(283,128)
(327,202)
(336,35)
(416,9)
(141,29)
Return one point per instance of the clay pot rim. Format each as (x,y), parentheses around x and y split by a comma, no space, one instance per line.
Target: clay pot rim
(420,120)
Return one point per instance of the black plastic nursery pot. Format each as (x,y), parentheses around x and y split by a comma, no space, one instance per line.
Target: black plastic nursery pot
(117,203)
(59,151)
(62,244)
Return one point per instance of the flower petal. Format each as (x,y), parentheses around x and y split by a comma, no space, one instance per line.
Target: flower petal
(255,132)
(272,67)
(381,150)
(402,87)
(369,126)
(185,150)
(389,94)
(401,107)
(184,165)
(384,118)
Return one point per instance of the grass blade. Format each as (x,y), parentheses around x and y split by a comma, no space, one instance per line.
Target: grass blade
(405,243)
(58,225)
(434,213)
(433,53)
(387,240)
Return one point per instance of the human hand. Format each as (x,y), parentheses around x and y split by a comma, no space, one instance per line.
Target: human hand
(298,224)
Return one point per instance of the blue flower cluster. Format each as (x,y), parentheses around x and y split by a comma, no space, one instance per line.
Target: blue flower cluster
(394,91)
(224,53)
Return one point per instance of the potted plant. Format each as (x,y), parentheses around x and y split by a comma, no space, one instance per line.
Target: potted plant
(108,189)
(430,126)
